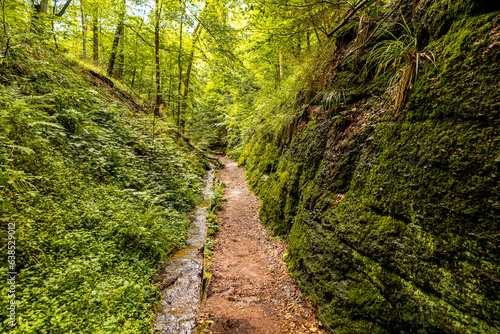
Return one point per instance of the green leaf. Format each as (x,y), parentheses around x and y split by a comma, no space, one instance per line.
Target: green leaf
(53,125)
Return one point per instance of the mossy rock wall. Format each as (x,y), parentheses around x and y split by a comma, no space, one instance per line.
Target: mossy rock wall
(393,220)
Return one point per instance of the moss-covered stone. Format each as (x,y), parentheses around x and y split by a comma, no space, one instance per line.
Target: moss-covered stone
(393,220)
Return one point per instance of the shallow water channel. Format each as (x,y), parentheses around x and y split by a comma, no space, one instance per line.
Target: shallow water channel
(181,277)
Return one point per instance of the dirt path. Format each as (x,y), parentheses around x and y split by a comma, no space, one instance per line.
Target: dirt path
(251,290)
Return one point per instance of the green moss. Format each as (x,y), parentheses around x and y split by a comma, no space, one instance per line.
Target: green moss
(393,224)
(464,83)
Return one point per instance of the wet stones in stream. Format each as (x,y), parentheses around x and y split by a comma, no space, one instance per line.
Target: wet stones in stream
(180,278)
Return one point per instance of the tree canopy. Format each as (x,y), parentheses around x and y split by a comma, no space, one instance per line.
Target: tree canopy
(215,61)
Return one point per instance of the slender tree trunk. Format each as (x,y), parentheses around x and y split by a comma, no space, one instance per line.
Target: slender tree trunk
(157,59)
(281,65)
(315,27)
(317,36)
(170,90)
(114,48)
(188,71)
(133,77)
(180,76)
(63,10)
(3,18)
(140,77)
(84,33)
(308,41)
(116,41)
(52,23)
(95,38)
(121,57)
(134,64)
(299,44)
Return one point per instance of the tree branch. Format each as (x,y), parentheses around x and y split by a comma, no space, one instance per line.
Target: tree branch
(63,10)
(358,6)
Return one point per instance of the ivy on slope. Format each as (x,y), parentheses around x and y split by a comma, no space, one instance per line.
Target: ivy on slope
(96,200)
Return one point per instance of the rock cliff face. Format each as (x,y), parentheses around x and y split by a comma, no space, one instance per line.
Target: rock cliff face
(393,217)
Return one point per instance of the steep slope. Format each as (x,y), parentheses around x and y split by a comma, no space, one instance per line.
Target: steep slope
(94,194)
(393,216)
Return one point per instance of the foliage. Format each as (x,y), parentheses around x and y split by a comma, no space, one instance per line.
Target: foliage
(218,196)
(208,250)
(391,218)
(212,224)
(215,206)
(397,61)
(97,193)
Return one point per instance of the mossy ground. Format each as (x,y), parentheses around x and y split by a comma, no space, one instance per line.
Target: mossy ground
(393,218)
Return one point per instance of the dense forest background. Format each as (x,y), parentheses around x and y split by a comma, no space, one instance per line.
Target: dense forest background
(368,128)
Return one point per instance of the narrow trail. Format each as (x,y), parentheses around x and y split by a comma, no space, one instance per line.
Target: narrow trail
(251,290)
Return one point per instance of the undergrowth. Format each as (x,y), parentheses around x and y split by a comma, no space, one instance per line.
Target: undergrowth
(218,195)
(396,62)
(213,225)
(212,228)
(95,197)
(215,206)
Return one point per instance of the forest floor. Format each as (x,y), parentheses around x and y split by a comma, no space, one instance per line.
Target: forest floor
(250,290)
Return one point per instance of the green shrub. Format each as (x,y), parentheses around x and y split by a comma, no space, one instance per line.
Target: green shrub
(218,196)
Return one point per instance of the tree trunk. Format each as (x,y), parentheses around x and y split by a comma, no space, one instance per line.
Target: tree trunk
(121,56)
(84,33)
(140,77)
(63,10)
(180,77)
(42,7)
(133,77)
(52,23)
(317,36)
(170,90)
(116,41)
(157,60)
(281,65)
(134,71)
(95,38)
(299,43)
(114,48)
(188,71)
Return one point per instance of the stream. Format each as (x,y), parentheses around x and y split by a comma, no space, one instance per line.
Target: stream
(182,275)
